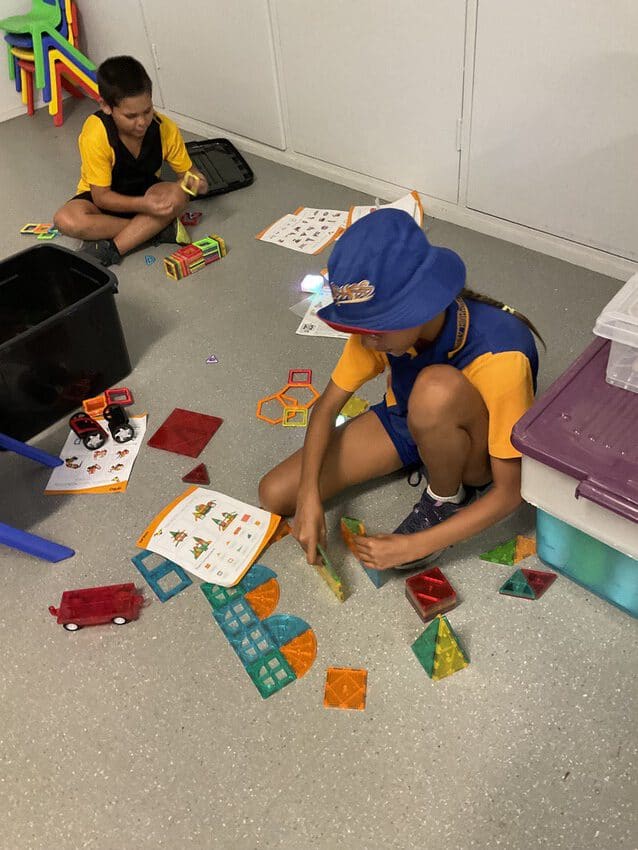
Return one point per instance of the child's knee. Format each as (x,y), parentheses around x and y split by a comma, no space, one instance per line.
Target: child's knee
(274,495)
(436,387)
(65,221)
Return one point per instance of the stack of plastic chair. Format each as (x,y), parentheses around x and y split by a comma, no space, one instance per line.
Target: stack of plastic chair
(42,50)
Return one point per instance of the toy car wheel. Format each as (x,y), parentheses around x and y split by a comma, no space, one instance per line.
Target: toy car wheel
(70,627)
(123,433)
(94,441)
(119,621)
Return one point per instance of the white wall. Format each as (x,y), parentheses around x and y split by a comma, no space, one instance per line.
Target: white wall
(116,28)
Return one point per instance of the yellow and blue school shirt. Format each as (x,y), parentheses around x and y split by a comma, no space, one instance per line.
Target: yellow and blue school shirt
(106,161)
(493,349)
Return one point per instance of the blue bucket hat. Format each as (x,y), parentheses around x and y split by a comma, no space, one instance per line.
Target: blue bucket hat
(385,276)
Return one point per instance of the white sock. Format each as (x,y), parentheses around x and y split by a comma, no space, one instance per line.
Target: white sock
(457,498)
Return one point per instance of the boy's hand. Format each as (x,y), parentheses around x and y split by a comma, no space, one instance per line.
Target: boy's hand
(202,188)
(309,526)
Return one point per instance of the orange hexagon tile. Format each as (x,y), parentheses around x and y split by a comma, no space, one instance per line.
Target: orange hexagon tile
(304,395)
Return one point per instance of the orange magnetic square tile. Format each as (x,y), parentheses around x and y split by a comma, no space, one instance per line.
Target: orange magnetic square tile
(345,688)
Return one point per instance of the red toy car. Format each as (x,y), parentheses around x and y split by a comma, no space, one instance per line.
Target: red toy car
(92,435)
(90,606)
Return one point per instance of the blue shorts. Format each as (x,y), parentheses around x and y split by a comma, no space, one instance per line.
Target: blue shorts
(396,426)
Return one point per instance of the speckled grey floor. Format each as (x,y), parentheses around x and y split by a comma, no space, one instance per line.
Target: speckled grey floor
(152,735)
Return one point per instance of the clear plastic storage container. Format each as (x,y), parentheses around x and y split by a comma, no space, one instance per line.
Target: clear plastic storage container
(619,323)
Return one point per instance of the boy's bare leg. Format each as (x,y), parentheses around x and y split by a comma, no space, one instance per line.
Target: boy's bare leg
(358,451)
(143,227)
(83,220)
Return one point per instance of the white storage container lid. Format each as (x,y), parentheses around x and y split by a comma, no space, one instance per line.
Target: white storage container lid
(619,320)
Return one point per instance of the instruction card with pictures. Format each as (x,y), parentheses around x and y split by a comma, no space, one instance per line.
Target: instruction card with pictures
(213,536)
(311,324)
(105,470)
(308,230)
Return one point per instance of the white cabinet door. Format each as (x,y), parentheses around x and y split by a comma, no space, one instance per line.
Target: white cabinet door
(216,64)
(554,139)
(376,86)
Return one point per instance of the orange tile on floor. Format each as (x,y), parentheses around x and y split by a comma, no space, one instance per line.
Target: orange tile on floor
(345,688)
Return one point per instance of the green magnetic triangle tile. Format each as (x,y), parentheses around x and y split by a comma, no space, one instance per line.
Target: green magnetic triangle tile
(517,585)
(424,646)
(503,554)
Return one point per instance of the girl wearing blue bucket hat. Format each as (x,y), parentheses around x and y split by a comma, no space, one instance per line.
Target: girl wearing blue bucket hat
(462,370)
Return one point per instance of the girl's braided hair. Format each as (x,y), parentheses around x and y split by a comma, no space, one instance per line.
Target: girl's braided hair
(486,299)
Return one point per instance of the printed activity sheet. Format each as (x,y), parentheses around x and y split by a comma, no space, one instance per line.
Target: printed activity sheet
(311,324)
(105,470)
(213,536)
(308,230)
(410,203)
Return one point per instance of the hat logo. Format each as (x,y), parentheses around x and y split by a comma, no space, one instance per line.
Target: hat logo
(352,293)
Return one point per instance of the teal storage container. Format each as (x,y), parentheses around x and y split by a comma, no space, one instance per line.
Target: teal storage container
(591,563)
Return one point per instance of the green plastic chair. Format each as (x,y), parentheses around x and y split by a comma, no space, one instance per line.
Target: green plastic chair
(43,19)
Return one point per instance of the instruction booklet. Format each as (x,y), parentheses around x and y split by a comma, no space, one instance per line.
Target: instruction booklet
(104,470)
(213,536)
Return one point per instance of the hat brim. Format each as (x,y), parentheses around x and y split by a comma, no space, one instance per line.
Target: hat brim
(427,294)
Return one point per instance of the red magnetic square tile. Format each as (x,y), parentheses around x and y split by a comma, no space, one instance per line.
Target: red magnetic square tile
(430,593)
(185,432)
(539,580)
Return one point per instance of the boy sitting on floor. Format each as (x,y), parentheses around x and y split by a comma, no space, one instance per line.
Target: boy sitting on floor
(121,201)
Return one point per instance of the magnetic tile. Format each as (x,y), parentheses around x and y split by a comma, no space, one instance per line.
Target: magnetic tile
(185,432)
(346,687)
(198,475)
(430,593)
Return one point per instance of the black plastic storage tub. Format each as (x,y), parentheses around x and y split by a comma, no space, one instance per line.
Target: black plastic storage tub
(221,163)
(61,340)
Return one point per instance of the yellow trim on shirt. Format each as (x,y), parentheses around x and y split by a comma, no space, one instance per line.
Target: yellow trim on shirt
(504,381)
(357,365)
(98,157)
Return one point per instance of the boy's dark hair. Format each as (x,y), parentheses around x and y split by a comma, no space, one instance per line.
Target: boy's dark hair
(486,299)
(120,77)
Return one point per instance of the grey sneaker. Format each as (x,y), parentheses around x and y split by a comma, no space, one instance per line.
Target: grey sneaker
(102,250)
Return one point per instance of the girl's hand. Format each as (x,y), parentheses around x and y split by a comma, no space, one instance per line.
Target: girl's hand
(384,551)
(309,526)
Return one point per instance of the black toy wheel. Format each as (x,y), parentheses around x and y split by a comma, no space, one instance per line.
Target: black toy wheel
(71,627)
(119,621)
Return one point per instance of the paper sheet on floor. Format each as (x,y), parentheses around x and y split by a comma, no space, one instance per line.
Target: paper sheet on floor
(410,203)
(213,536)
(311,324)
(308,230)
(105,470)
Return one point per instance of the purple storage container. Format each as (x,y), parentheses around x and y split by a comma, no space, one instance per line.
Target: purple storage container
(580,469)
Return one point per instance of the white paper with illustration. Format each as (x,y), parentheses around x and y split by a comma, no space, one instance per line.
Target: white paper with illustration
(105,470)
(213,536)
